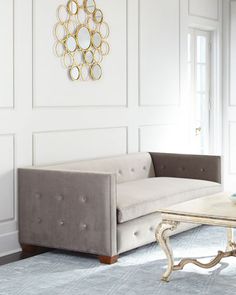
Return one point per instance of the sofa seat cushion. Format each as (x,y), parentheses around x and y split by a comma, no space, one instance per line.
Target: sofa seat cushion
(142,197)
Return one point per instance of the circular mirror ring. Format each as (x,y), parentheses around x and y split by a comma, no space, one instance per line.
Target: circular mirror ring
(72,7)
(70,43)
(82,17)
(84,72)
(105,48)
(104,30)
(96,40)
(98,57)
(78,57)
(98,16)
(59,49)
(89,6)
(83,38)
(91,24)
(68,60)
(70,26)
(62,14)
(60,31)
(88,57)
(80,3)
(74,73)
(96,72)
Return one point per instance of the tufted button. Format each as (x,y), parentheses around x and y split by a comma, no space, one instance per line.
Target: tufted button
(59,198)
(120,172)
(151,228)
(136,233)
(182,168)
(39,220)
(83,226)
(38,196)
(203,170)
(163,167)
(61,222)
(144,168)
(132,170)
(83,199)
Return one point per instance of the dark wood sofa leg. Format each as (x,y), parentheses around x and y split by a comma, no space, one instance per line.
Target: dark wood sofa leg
(108,259)
(33,250)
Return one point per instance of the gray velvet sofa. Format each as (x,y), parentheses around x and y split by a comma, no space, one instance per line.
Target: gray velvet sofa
(108,206)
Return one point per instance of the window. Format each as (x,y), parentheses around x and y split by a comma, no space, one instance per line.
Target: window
(199,78)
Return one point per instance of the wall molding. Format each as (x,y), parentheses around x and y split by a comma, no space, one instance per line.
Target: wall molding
(150,126)
(12,107)
(14,195)
(66,107)
(205,17)
(9,243)
(230,54)
(230,171)
(140,104)
(34,134)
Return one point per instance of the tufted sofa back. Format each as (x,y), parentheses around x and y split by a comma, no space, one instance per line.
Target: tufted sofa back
(127,167)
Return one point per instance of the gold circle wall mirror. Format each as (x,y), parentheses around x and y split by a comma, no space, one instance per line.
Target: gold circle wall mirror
(98,16)
(81,39)
(72,7)
(70,43)
(90,6)
(88,57)
(96,40)
(75,73)
(96,72)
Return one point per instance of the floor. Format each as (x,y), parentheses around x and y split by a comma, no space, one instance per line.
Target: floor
(137,272)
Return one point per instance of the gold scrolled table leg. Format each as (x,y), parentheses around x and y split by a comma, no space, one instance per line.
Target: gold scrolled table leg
(162,236)
(231,245)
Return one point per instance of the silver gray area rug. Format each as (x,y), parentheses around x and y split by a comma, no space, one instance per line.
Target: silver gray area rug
(137,272)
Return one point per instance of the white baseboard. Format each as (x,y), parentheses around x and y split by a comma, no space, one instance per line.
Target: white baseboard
(9,243)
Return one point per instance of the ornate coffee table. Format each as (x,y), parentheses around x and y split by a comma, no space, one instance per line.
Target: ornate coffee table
(216,210)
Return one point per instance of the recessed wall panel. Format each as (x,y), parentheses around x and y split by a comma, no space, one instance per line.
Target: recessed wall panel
(204,8)
(232,147)
(6,177)
(233,54)
(6,54)
(159,52)
(160,138)
(51,85)
(62,146)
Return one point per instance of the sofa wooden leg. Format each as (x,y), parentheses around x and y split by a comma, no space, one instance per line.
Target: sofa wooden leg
(33,250)
(108,259)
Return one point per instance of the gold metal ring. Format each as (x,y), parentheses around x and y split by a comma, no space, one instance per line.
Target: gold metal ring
(106,50)
(71,73)
(84,78)
(68,65)
(56,49)
(104,36)
(58,13)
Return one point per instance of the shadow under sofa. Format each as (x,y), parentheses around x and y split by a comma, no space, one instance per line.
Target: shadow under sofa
(108,206)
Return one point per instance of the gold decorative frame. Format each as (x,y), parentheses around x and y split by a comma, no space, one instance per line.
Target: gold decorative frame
(72,17)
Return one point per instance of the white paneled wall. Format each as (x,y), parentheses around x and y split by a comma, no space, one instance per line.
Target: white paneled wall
(136,106)
(6,54)
(159,52)
(78,144)
(232,48)
(209,9)
(160,138)
(7,178)
(229,94)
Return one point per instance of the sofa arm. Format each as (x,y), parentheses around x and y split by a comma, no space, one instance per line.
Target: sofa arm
(68,210)
(187,166)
